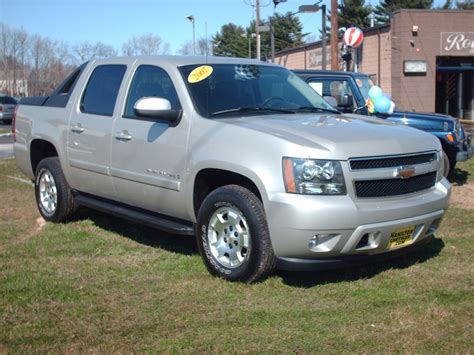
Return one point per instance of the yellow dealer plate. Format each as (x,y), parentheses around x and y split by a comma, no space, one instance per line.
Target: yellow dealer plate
(401,237)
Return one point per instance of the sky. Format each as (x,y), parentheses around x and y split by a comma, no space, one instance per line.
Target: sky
(114,22)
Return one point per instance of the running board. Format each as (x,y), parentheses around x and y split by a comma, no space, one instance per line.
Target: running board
(154,220)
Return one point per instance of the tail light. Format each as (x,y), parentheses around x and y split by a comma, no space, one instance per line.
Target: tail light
(13,123)
(1,108)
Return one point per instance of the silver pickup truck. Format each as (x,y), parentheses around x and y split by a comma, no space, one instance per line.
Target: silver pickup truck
(242,154)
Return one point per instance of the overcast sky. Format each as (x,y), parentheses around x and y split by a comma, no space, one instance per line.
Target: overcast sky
(115,21)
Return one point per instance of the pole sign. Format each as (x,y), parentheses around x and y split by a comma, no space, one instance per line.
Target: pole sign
(353,37)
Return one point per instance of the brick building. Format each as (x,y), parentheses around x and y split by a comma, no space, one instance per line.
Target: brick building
(424,59)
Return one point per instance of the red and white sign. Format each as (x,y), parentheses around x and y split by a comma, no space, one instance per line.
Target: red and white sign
(353,37)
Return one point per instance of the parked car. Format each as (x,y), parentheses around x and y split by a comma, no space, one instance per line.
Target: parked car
(7,106)
(242,154)
(349,91)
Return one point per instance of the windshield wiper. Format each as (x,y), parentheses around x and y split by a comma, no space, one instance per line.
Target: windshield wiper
(316,109)
(252,109)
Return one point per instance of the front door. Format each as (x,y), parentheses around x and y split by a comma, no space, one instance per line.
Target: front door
(148,156)
(90,128)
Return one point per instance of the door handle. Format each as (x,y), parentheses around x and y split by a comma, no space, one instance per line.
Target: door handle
(77,128)
(123,136)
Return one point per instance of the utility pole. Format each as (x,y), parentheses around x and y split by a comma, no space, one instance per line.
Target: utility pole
(323,37)
(334,40)
(257,25)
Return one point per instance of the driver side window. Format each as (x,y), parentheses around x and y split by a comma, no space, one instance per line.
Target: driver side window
(336,89)
(150,81)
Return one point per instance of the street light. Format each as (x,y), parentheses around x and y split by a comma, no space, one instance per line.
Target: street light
(252,35)
(191,18)
(316,8)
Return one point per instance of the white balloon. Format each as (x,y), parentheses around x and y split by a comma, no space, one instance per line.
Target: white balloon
(392,108)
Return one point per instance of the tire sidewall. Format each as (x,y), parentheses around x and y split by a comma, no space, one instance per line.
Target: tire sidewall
(210,205)
(42,168)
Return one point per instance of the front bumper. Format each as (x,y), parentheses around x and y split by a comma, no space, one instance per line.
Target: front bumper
(343,225)
(465,150)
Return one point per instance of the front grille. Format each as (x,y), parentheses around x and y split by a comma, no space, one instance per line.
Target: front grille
(394,187)
(379,163)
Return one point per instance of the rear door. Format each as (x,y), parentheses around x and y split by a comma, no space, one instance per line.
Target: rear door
(90,128)
(148,155)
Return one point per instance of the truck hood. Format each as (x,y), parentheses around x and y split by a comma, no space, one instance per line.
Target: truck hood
(341,136)
(423,121)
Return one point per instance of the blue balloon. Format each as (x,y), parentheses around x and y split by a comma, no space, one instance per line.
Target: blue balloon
(382,104)
(375,92)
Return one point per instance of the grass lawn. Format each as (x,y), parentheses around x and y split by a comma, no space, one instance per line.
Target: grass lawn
(5,131)
(101,284)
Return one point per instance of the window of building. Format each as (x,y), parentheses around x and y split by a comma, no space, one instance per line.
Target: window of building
(151,81)
(102,89)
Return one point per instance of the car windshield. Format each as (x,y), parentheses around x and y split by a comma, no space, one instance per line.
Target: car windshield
(223,90)
(364,83)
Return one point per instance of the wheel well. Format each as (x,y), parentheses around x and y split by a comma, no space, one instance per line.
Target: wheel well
(208,180)
(39,150)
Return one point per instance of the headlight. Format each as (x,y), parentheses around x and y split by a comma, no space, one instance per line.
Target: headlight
(441,166)
(316,177)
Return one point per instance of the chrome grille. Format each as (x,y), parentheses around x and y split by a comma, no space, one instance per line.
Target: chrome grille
(394,187)
(379,163)
(393,175)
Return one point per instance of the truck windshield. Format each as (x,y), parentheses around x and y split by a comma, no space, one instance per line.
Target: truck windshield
(364,83)
(222,90)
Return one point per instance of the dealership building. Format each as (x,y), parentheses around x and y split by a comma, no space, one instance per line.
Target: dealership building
(424,59)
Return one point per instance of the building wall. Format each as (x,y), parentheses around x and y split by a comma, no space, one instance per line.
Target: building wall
(369,63)
(418,92)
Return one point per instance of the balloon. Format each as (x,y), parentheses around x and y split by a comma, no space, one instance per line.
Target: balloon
(375,92)
(370,106)
(382,104)
(392,108)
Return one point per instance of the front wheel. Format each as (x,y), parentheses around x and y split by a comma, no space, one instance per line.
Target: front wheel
(232,235)
(53,196)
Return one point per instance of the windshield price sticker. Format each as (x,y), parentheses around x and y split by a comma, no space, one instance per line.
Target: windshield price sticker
(199,74)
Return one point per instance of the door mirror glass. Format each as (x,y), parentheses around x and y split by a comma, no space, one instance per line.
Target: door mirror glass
(155,107)
(347,101)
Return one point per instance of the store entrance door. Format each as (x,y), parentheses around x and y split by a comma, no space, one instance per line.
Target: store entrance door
(455,86)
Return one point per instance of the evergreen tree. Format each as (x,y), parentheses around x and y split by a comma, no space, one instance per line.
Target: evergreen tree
(354,13)
(288,32)
(386,7)
(230,41)
(465,5)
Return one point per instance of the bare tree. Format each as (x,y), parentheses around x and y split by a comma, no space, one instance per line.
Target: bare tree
(148,44)
(203,47)
(85,51)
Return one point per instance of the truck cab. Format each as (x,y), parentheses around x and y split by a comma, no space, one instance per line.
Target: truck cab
(349,91)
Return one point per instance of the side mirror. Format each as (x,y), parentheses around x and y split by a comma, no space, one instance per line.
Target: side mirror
(330,100)
(347,101)
(157,108)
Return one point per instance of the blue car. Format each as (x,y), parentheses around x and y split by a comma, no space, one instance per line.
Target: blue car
(348,92)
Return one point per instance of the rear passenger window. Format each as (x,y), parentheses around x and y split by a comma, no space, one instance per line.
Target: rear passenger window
(151,81)
(102,89)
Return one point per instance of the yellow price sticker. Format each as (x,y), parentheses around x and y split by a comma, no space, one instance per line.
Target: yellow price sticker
(199,74)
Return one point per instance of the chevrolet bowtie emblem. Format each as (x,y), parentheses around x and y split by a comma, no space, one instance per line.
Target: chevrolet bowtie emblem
(405,172)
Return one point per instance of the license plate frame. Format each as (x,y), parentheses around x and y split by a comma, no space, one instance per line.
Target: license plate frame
(401,237)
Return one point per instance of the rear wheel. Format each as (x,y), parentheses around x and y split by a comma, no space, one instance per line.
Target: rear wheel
(53,195)
(232,235)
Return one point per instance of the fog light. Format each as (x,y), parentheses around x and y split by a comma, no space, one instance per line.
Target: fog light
(313,242)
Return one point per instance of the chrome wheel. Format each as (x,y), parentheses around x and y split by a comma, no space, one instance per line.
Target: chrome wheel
(48,192)
(228,236)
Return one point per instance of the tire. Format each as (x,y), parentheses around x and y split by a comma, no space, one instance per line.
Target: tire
(53,195)
(233,237)
(447,165)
